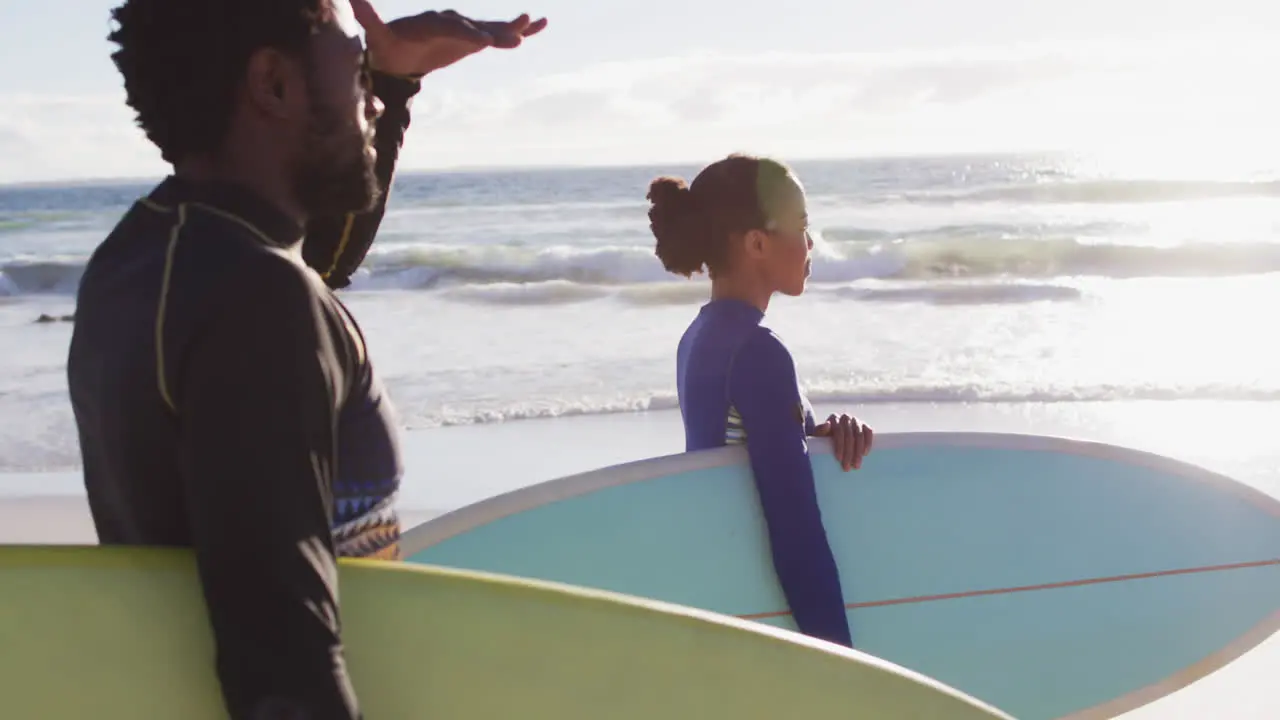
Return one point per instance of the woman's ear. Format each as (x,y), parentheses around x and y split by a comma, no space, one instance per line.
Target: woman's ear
(755,243)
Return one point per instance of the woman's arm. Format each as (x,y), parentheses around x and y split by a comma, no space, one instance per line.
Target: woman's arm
(336,245)
(764,388)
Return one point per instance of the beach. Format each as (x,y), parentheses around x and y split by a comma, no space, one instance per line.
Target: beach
(526,332)
(450,467)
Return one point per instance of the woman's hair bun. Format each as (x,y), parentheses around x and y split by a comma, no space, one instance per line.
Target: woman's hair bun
(674,220)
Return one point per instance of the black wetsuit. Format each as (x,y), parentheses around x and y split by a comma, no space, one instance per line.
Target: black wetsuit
(225,402)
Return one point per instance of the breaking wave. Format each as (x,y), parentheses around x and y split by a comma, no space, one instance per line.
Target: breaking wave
(1101,192)
(853,397)
(506,274)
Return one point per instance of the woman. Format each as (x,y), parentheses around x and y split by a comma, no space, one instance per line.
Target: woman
(744,220)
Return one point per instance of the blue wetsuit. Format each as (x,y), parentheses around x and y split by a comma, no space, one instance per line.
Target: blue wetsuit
(738,384)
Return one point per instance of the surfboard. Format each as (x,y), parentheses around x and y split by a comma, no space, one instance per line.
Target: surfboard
(122,634)
(1049,577)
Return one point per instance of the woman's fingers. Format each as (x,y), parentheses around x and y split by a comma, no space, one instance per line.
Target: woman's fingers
(838,438)
(858,443)
(850,445)
(850,440)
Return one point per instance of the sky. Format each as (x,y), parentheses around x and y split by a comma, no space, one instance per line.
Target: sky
(618,82)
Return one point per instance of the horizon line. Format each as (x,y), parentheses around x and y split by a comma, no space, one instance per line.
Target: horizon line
(465,169)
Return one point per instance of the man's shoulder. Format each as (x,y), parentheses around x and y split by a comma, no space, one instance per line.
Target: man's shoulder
(220,272)
(274,279)
(279,279)
(216,252)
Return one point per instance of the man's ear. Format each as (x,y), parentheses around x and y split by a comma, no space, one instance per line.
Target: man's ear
(272,81)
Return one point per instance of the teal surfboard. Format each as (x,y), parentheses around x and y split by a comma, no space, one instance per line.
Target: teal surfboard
(1048,577)
(122,634)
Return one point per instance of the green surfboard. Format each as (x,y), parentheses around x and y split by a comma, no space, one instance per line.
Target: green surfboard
(121,634)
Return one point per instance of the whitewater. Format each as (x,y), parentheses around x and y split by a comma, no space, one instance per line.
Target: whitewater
(493,296)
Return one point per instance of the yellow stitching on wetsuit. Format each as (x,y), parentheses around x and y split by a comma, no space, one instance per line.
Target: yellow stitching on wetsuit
(236,219)
(152,204)
(348,321)
(164,297)
(342,245)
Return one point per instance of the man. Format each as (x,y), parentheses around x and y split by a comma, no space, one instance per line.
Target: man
(223,395)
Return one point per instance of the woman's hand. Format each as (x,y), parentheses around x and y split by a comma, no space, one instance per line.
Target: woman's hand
(850,439)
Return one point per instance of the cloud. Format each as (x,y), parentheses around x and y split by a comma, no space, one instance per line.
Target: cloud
(61,137)
(1210,94)
(16,148)
(1187,95)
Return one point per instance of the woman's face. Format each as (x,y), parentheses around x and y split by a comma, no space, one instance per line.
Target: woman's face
(787,258)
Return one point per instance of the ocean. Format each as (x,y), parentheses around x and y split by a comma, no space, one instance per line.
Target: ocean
(492,296)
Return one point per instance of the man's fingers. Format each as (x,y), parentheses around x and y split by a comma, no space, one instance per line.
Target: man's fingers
(523,26)
(519,24)
(367,16)
(449,24)
(432,25)
(535,27)
(504,36)
(511,34)
(455,26)
(868,438)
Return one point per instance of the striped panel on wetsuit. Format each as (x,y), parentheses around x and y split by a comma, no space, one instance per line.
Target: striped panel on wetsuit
(735,433)
(365,523)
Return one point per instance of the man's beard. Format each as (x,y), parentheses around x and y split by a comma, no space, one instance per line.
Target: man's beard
(335,175)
